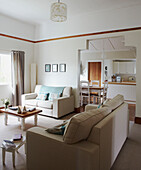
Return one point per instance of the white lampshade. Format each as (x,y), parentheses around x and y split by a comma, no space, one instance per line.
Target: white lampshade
(58,12)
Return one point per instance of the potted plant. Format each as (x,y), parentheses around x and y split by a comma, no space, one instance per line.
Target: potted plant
(6,102)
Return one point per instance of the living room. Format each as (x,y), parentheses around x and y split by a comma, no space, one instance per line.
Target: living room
(33,32)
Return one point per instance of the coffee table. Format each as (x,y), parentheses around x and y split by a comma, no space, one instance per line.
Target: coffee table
(21,116)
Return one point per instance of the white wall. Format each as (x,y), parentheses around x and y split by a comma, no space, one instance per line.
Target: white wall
(130,39)
(16,28)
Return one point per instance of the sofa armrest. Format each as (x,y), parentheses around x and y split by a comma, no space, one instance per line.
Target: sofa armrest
(90,107)
(63,106)
(110,134)
(28,96)
(48,151)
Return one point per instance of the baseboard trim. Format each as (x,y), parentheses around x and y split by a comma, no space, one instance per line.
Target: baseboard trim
(138,120)
(77,110)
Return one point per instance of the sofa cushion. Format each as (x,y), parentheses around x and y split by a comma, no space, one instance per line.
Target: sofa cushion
(51,89)
(54,96)
(45,104)
(81,124)
(31,102)
(67,91)
(42,96)
(115,102)
(59,129)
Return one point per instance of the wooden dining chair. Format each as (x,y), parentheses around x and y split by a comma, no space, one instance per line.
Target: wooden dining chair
(84,92)
(104,93)
(95,83)
(94,93)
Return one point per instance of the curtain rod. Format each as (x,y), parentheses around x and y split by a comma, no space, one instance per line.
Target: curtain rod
(17,51)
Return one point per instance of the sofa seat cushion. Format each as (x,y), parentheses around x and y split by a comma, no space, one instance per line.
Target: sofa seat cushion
(81,124)
(115,102)
(31,102)
(45,104)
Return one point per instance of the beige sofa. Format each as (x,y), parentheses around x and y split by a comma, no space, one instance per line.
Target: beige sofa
(92,140)
(57,107)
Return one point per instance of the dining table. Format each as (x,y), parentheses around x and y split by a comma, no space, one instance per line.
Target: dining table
(97,89)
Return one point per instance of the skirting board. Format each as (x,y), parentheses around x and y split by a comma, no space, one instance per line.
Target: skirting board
(138,120)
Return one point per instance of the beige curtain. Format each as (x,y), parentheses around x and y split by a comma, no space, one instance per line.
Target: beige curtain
(17,61)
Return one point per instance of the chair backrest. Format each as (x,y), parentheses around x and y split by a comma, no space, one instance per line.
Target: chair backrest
(95,83)
(84,86)
(105,86)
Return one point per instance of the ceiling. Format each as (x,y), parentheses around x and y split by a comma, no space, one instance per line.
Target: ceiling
(109,44)
(38,11)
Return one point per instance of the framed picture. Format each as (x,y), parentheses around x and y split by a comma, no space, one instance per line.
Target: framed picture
(47,67)
(54,67)
(62,67)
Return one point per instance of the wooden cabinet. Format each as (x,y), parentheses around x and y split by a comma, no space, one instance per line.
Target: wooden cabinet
(121,67)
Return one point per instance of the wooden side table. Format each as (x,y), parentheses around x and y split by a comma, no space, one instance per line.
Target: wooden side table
(13,150)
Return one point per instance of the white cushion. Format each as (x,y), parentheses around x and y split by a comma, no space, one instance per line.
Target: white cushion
(81,124)
(67,91)
(32,102)
(37,88)
(45,104)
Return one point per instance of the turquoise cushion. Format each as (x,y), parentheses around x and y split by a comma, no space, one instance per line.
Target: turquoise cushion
(58,130)
(50,89)
(42,96)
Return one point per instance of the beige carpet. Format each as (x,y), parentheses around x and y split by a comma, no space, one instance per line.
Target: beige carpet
(128,159)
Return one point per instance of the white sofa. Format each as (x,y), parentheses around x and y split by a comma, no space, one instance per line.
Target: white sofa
(92,140)
(57,107)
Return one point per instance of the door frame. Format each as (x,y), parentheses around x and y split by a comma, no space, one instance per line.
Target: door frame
(102,68)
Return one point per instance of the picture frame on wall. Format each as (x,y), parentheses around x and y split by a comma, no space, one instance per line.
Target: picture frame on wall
(47,67)
(62,68)
(54,67)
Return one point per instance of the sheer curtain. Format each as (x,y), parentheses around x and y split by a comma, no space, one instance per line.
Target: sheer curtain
(17,62)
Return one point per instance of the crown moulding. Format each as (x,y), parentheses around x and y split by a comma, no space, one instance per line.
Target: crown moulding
(73,36)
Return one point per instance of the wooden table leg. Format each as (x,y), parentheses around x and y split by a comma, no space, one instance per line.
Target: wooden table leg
(35,120)
(22,123)
(5,118)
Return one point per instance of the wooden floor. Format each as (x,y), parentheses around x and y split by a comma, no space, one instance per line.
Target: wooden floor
(132,111)
(131,107)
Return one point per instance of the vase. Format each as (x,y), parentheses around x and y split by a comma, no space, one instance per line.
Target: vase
(6,106)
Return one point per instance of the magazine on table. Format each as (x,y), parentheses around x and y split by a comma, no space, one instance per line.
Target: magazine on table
(8,144)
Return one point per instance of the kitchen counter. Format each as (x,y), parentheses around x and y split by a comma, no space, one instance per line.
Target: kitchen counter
(127,89)
(123,83)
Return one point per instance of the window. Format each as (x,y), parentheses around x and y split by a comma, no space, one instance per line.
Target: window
(5,69)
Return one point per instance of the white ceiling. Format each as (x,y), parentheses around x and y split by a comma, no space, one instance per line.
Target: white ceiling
(38,11)
(109,44)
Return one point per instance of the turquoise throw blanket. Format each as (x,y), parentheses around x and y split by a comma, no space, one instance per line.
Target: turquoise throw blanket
(50,89)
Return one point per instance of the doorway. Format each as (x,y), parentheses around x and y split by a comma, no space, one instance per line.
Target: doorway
(94,71)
